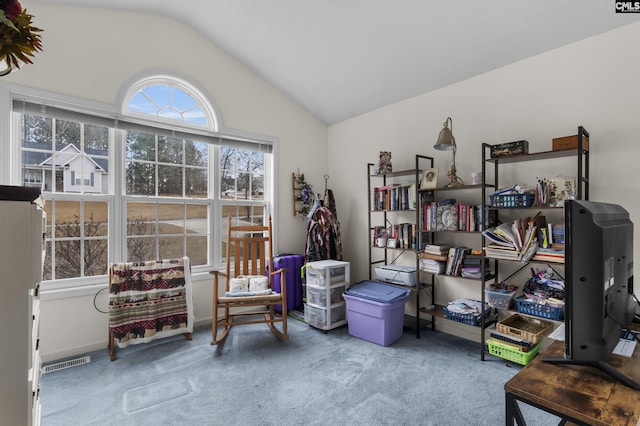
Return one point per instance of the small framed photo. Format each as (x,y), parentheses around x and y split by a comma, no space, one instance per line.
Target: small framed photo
(429,178)
(392,243)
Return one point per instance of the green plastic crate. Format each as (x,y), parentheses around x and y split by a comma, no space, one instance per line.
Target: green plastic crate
(511,354)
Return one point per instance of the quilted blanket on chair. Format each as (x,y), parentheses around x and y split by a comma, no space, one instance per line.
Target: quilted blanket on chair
(150,300)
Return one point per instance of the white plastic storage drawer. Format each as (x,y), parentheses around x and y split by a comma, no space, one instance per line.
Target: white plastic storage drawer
(318,295)
(324,318)
(326,272)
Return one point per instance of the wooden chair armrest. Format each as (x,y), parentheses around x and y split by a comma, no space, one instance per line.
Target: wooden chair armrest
(218,273)
(278,271)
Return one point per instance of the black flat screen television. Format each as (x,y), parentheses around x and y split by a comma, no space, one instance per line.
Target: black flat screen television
(599,300)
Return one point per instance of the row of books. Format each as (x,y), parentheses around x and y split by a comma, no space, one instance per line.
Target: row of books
(395,197)
(456,217)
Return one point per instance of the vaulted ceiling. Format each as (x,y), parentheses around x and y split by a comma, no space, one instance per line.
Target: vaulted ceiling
(342,58)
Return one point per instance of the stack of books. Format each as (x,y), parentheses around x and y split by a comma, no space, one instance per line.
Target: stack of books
(549,255)
(433,258)
(472,267)
(436,251)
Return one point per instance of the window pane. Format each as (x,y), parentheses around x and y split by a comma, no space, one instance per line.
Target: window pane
(95,256)
(172,218)
(197,250)
(163,100)
(67,218)
(141,249)
(257,188)
(96,219)
(197,219)
(196,185)
(246,215)
(169,150)
(141,219)
(68,259)
(196,116)
(227,158)
(37,131)
(141,146)
(140,103)
(171,247)
(181,100)
(46,273)
(141,178)
(67,133)
(196,153)
(243,189)
(96,138)
(170,181)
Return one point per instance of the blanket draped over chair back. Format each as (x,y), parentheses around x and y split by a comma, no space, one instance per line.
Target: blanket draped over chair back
(150,300)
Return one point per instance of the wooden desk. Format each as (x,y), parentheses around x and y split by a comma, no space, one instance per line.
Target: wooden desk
(582,395)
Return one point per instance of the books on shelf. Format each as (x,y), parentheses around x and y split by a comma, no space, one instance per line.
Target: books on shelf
(497,251)
(525,239)
(515,241)
(549,255)
(395,197)
(449,217)
(436,248)
(431,265)
(454,260)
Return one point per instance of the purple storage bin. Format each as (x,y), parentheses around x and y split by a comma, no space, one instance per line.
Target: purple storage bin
(375,311)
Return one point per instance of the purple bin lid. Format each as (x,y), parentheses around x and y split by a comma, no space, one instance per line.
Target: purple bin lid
(377,291)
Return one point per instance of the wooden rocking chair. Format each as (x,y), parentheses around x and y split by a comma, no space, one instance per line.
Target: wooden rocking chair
(249,255)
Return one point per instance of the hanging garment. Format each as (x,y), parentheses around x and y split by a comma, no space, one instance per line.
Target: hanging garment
(323,236)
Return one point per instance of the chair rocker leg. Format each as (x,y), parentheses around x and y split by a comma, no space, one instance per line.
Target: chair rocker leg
(279,334)
(219,338)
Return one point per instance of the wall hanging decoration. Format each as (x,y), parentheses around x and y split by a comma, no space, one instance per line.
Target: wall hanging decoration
(19,38)
(303,195)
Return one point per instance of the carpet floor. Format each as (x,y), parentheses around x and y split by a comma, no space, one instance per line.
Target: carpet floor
(312,378)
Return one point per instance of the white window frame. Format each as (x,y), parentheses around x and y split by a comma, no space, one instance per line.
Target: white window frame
(11,174)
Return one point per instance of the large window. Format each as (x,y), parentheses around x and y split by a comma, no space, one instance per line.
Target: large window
(132,190)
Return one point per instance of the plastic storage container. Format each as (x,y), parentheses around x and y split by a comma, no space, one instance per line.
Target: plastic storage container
(508,352)
(324,318)
(499,299)
(326,272)
(376,311)
(326,282)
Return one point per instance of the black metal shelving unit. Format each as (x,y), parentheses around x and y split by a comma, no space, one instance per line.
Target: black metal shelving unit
(581,154)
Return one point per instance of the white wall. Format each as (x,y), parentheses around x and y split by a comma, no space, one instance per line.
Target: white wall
(91,54)
(591,83)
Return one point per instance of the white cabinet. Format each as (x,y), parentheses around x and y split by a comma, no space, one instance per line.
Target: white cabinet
(21,256)
(326,281)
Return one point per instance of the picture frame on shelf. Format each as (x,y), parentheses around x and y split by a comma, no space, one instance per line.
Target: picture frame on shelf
(429,178)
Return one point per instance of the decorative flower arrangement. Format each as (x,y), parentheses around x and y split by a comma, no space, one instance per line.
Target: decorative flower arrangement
(306,195)
(19,39)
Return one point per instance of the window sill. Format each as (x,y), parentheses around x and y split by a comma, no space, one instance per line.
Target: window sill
(95,288)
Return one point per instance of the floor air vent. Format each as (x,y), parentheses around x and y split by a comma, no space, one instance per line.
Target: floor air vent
(65,364)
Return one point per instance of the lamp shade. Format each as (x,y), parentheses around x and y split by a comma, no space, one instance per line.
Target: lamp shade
(446,141)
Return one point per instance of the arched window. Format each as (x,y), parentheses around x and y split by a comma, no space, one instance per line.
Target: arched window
(169,99)
(152,182)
